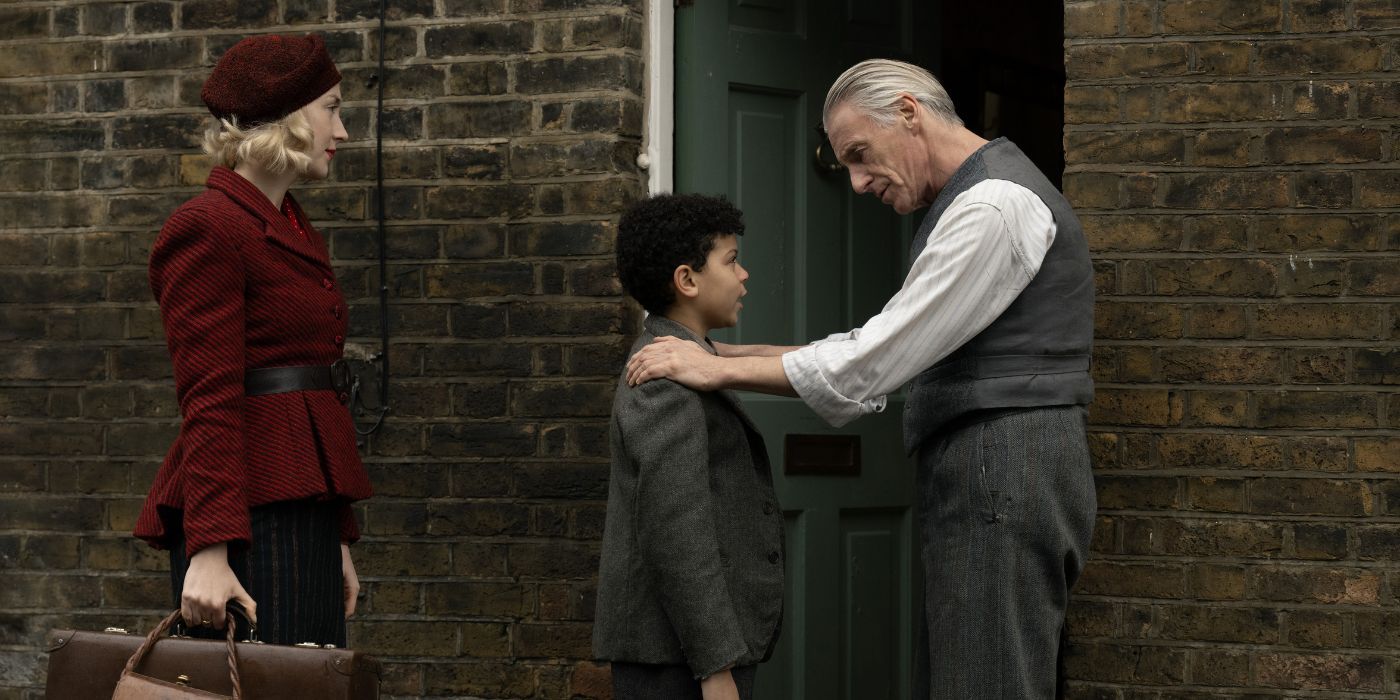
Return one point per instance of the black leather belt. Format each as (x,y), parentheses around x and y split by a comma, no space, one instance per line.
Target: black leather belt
(280,380)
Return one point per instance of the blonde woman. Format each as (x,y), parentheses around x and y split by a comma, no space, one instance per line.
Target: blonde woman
(253,500)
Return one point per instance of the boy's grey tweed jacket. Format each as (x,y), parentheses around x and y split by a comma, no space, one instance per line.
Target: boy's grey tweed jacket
(692,563)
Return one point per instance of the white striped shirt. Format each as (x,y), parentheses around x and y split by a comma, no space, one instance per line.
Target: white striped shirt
(986,248)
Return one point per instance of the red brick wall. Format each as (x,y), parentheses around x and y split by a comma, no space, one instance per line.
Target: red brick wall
(1237,167)
(511,132)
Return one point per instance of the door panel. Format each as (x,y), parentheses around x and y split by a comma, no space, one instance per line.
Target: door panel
(833,579)
(771,15)
(872,254)
(751,76)
(784,674)
(760,156)
(872,543)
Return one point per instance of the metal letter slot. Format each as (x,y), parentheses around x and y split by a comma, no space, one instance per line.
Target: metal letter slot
(821,455)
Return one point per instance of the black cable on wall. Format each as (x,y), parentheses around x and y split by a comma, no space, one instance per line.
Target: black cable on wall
(383,357)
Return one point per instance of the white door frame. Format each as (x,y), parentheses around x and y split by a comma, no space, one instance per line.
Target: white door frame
(659,131)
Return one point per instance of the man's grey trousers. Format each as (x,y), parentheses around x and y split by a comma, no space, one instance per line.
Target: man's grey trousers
(1006,513)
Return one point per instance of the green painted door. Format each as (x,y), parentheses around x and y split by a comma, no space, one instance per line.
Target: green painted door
(750,79)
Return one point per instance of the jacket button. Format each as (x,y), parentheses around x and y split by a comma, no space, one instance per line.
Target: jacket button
(344,398)
(326,282)
(339,339)
(772,557)
(767,508)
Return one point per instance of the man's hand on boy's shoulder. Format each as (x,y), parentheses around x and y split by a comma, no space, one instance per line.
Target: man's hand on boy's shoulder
(719,686)
(655,407)
(686,363)
(682,361)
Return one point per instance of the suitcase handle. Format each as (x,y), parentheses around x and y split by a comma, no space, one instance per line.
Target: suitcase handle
(163,629)
(234,610)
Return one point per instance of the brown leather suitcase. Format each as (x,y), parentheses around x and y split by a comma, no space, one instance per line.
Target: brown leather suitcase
(87,665)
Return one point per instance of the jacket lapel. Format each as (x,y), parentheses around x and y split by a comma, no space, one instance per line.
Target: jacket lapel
(276,229)
(311,246)
(733,400)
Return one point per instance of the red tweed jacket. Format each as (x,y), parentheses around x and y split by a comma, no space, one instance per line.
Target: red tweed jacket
(240,288)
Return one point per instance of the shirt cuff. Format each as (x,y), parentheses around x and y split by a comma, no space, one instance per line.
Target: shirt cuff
(834,337)
(807,379)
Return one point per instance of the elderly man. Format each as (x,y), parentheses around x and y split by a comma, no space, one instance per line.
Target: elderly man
(993,325)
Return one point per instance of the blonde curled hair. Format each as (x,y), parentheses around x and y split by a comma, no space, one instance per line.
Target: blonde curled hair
(276,146)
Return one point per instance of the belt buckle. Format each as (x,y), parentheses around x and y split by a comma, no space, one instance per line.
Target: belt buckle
(341,376)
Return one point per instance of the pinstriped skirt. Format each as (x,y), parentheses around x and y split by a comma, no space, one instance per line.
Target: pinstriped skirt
(292,571)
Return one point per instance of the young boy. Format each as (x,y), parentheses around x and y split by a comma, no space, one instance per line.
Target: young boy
(690,590)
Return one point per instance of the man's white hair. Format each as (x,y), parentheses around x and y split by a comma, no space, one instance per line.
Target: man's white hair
(873,87)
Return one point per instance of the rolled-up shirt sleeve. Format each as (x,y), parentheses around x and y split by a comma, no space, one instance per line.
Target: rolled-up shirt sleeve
(986,248)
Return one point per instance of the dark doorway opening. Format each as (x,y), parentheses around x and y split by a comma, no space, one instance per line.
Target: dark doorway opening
(1002,62)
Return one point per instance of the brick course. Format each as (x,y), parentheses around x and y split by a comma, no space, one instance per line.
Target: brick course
(512,128)
(1235,165)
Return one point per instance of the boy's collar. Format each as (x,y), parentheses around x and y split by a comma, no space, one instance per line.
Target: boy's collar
(659,325)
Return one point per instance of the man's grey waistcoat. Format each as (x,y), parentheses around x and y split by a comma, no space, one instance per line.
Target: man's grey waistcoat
(1037,352)
(692,563)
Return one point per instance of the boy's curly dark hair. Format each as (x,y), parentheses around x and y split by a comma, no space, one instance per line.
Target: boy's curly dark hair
(661,233)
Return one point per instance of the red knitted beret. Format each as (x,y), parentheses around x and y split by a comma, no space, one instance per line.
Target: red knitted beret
(265,78)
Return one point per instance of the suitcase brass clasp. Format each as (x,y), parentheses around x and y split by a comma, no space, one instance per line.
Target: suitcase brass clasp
(182,679)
